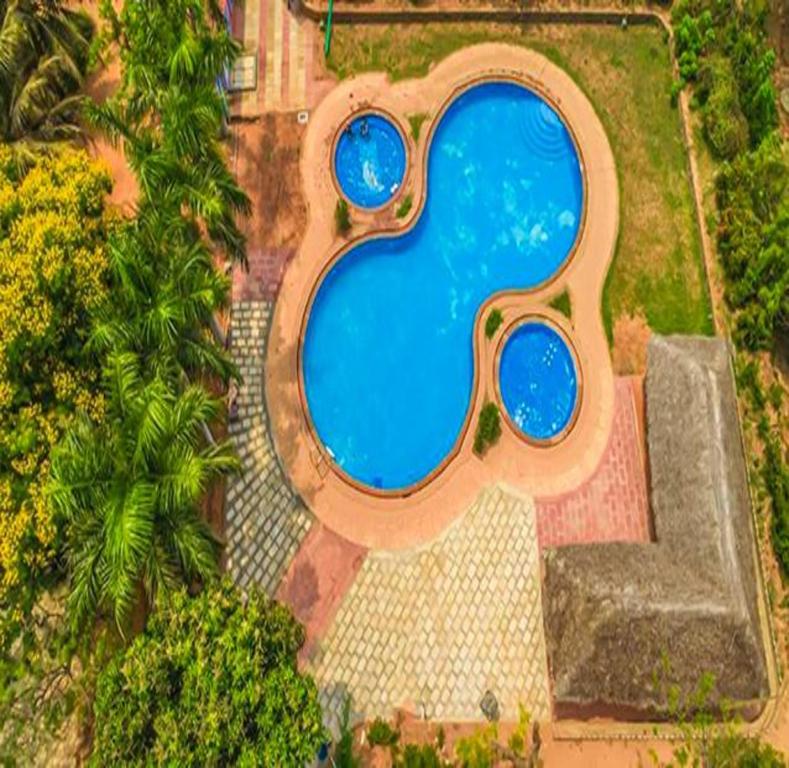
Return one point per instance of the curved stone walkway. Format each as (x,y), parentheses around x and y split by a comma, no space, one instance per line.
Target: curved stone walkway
(265,522)
(432,629)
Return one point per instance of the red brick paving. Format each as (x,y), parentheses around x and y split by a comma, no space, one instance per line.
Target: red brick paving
(262,281)
(612,505)
(317,579)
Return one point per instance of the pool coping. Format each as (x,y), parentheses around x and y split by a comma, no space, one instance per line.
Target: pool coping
(400,231)
(538,318)
(395,521)
(395,122)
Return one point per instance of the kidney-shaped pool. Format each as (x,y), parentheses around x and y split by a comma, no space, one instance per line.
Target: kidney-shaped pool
(387,358)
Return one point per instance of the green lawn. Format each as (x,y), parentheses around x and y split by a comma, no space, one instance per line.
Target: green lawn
(658,270)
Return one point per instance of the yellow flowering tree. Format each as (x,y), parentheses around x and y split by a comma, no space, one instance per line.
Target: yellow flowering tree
(53,226)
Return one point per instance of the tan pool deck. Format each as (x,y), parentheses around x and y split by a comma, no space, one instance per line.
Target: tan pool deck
(397,522)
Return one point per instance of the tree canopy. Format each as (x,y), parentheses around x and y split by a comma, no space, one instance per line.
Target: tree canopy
(212,681)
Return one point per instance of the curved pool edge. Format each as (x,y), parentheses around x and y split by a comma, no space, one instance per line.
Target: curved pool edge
(564,331)
(393,521)
(399,231)
(407,148)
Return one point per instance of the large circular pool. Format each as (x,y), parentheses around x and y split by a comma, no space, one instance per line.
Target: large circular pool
(538,380)
(387,359)
(369,160)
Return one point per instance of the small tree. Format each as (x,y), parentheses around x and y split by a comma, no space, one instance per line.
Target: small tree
(211,681)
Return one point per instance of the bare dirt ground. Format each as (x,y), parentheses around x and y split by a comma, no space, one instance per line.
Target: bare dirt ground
(631,335)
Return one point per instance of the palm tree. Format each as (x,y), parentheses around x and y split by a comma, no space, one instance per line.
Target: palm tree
(129,489)
(166,294)
(43,58)
(170,115)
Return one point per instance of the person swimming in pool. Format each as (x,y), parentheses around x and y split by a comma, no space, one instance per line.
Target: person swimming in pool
(364,128)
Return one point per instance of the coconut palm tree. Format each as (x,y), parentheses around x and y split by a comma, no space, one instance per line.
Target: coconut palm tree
(43,58)
(166,294)
(169,113)
(129,489)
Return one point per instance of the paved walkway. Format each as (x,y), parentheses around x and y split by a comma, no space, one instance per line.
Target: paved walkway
(286,48)
(265,522)
(435,628)
(612,504)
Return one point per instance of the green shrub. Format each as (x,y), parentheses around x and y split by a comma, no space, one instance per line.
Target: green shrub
(776,479)
(415,121)
(561,303)
(424,756)
(381,734)
(212,681)
(488,428)
(725,126)
(404,207)
(342,217)
(495,319)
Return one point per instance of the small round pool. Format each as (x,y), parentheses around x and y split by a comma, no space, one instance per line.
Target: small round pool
(538,380)
(369,160)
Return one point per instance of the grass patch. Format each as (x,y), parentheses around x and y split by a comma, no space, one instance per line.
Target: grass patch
(561,303)
(415,121)
(495,319)
(404,207)
(657,270)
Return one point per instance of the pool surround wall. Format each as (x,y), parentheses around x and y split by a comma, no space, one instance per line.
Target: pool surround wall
(407,146)
(564,331)
(398,230)
(400,520)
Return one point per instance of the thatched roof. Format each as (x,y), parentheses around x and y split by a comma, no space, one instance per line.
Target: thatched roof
(613,612)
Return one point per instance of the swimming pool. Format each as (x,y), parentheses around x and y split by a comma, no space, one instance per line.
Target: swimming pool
(538,380)
(387,357)
(369,160)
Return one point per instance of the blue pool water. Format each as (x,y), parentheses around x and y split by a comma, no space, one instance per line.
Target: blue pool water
(388,357)
(369,160)
(537,380)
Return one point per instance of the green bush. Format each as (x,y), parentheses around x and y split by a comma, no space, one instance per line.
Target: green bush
(488,428)
(725,126)
(495,319)
(342,217)
(753,241)
(405,206)
(424,756)
(381,734)
(211,681)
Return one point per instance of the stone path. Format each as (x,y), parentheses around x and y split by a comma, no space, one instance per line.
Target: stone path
(285,47)
(435,628)
(265,522)
(612,504)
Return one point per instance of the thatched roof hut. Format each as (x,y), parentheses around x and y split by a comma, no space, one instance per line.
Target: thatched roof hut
(616,613)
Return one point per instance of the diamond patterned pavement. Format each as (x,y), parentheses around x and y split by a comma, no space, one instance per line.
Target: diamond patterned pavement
(265,522)
(435,628)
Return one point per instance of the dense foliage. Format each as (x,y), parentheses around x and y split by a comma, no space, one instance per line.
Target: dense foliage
(722,46)
(170,115)
(129,489)
(53,264)
(212,681)
(43,59)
